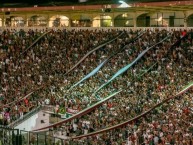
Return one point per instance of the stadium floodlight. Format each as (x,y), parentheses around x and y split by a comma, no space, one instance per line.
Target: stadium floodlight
(124,5)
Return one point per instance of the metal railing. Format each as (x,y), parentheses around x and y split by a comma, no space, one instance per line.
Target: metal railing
(25,117)
(10,136)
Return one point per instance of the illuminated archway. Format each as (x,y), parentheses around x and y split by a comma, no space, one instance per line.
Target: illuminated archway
(102,21)
(96,22)
(17,21)
(81,21)
(37,21)
(59,21)
(123,20)
(106,21)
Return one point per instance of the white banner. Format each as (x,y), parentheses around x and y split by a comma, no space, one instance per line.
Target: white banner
(72,111)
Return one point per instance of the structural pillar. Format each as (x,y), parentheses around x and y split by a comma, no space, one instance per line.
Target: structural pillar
(26,21)
(135,21)
(113,20)
(3,21)
(185,20)
(48,21)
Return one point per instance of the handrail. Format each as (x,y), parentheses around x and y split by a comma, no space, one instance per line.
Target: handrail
(137,117)
(91,110)
(42,87)
(122,70)
(83,112)
(83,58)
(125,68)
(34,42)
(25,117)
(19,57)
(66,72)
(93,72)
(26,96)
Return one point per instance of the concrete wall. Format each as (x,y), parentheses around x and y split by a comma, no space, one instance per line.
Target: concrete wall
(34,122)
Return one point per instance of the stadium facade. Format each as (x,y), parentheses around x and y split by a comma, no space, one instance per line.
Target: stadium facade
(156,14)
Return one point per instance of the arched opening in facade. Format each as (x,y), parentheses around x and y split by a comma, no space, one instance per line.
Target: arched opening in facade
(81,21)
(143,20)
(102,21)
(190,21)
(7,21)
(171,19)
(17,21)
(106,21)
(123,20)
(96,21)
(59,21)
(37,21)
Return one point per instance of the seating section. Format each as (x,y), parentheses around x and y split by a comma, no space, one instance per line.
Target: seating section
(161,72)
(43,65)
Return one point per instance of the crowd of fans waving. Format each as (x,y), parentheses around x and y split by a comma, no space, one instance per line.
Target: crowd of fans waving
(163,71)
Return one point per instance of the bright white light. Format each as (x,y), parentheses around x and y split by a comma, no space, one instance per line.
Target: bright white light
(82,1)
(124,15)
(127,23)
(124,5)
(159,19)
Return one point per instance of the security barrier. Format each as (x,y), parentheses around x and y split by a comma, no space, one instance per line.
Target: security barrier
(10,136)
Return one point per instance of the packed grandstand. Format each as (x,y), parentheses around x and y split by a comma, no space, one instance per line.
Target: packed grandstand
(126,86)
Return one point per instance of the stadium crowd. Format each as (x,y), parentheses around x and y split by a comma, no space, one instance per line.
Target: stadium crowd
(163,71)
(171,71)
(170,124)
(43,65)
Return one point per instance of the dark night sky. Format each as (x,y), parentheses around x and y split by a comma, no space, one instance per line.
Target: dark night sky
(44,1)
(75,1)
(24,3)
(37,1)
